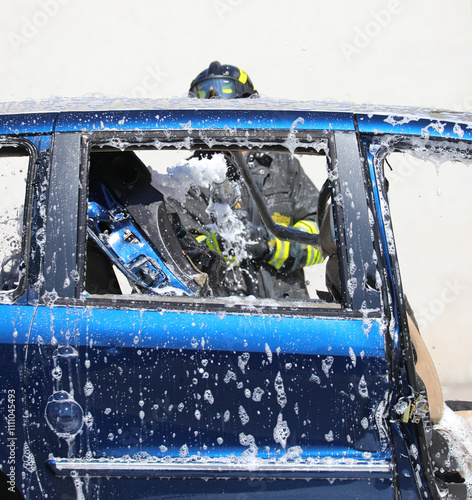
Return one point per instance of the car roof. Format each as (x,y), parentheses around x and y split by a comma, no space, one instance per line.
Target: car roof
(107,113)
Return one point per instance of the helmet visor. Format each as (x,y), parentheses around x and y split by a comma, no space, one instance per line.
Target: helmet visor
(222,88)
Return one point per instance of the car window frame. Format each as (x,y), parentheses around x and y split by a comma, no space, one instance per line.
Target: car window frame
(217,139)
(378,148)
(404,375)
(15,294)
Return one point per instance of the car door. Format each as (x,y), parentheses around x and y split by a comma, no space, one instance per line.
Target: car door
(25,142)
(168,393)
(418,170)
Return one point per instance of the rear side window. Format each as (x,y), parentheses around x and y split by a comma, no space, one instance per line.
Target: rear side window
(13,174)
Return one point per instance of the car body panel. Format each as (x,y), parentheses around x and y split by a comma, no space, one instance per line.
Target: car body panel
(203,119)
(36,123)
(206,387)
(414,126)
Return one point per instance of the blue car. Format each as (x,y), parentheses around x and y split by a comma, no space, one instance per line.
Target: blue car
(134,364)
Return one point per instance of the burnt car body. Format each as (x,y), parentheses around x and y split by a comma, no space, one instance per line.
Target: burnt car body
(169,391)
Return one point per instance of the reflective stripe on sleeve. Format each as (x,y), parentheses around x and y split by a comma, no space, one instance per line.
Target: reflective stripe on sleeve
(313,253)
(282,251)
(307,225)
(212,243)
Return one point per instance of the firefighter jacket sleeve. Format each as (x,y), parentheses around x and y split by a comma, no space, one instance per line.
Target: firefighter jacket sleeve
(285,256)
(289,256)
(292,199)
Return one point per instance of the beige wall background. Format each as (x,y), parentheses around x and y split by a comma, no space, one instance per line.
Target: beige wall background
(392,52)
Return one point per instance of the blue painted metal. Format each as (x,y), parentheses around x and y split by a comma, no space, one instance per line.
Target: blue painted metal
(127,247)
(185,377)
(169,383)
(203,119)
(436,126)
(145,328)
(27,124)
(370,156)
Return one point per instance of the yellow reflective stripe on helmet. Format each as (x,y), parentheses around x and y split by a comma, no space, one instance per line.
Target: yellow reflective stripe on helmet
(242,76)
(201,238)
(282,250)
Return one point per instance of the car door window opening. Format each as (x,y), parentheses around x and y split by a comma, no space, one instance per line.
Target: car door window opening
(217,240)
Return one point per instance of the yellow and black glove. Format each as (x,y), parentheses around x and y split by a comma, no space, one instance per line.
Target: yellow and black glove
(260,245)
(254,241)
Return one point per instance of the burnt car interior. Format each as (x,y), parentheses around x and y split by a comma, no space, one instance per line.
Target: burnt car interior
(138,244)
(119,180)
